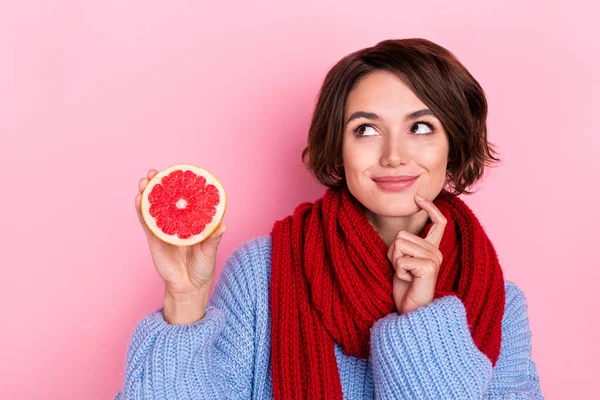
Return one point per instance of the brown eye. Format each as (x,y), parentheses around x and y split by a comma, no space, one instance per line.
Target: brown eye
(358,129)
(429,128)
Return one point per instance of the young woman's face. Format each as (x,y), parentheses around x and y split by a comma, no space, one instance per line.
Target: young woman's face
(389,143)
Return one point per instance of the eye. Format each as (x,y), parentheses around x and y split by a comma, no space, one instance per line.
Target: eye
(427,124)
(358,129)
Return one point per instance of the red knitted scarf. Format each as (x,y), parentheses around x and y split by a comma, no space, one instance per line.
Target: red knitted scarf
(331,280)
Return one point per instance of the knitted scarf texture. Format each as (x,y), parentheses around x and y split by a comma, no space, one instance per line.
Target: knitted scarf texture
(331,280)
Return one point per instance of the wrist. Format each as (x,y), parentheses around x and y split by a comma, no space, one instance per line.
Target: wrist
(184,309)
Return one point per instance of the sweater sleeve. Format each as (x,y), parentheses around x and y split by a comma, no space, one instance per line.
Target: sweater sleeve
(211,358)
(429,354)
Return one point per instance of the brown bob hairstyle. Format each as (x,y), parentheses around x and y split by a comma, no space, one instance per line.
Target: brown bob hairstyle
(436,77)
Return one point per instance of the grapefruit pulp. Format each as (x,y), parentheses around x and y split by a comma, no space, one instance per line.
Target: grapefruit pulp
(183,204)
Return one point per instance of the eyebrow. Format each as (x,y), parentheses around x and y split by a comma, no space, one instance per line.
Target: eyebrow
(373,116)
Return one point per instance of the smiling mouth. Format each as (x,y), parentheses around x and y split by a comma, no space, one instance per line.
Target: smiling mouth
(395,185)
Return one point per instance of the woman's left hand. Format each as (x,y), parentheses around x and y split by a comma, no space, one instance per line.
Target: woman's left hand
(417,262)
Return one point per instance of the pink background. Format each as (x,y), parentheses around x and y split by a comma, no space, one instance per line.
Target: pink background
(95,93)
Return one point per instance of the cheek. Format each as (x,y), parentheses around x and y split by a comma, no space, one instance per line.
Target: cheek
(357,159)
(435,162)
(434,158)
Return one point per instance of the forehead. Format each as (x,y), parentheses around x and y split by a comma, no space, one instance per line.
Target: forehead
(384,93)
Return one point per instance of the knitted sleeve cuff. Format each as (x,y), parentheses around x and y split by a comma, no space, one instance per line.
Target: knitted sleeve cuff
(428,353)
(175,361)
(202,332)
(515,372)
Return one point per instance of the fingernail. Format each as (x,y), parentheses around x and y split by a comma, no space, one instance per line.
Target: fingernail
(419,198)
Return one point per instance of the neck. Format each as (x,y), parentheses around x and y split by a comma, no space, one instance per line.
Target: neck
(388,227)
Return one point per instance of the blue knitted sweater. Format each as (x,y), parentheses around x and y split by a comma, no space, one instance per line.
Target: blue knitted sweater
(425,354)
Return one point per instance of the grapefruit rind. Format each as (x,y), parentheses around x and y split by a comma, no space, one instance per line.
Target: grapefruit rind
(208,230)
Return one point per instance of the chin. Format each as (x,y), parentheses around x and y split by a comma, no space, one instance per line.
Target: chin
(393,209)
(399,211)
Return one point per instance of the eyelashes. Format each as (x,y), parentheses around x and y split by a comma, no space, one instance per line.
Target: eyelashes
(428,124)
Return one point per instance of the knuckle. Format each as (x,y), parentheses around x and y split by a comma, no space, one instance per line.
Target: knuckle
(400,264)
(398,261)
(440,256)
(431,265)
(400,272)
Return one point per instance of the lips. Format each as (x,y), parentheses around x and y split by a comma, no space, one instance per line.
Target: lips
(395,183)
(400,178)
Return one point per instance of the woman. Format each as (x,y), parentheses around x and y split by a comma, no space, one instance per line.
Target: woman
(386,287)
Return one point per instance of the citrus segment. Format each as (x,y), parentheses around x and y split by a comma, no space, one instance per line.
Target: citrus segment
(183,204)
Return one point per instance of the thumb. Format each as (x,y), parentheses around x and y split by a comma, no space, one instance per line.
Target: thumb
(212,242)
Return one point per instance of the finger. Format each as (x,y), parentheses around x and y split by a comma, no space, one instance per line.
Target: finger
(390,251)
(419,241)
(436,232)
(417,267)
(219,231)
(393,251)
(400,261)
(210,245)
(407,247)
(421,290)
(144,181)
(138,208)
(142,184)
(402,273)
(215,237)
(422,271)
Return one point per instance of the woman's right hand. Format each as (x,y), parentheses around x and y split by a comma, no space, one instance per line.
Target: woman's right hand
(186,270)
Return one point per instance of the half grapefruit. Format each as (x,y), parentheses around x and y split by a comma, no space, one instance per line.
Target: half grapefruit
(183,204)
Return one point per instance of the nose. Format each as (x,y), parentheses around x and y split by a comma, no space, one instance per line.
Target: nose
(394,152)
